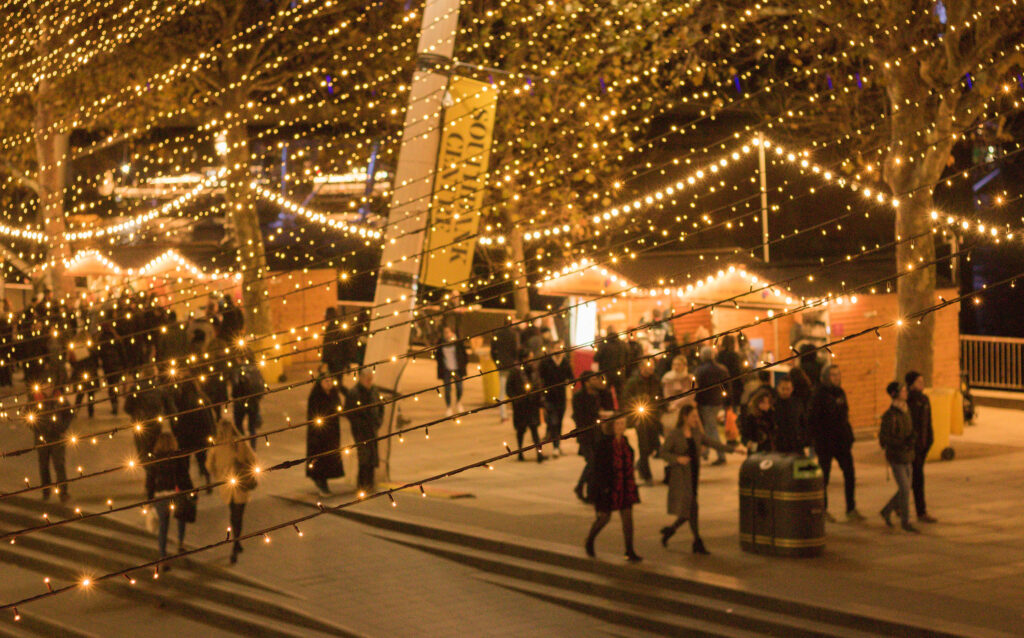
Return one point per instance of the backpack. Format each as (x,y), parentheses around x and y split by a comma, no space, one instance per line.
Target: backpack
(885,435)
(250,379)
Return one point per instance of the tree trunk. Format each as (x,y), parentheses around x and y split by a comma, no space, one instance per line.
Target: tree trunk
(520,282)
(912,183)
(245,227)
(52,157)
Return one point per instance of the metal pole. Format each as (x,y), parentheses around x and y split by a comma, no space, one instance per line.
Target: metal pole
(412,185)
(763,171)
(764,198)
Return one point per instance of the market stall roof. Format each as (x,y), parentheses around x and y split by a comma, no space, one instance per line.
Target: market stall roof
(586,281)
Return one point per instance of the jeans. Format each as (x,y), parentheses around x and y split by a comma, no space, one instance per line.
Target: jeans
(553,415)
(236,510)
(455,380)
(502,395)
(917,483)
(900,501)
(54,453)
(248,408)
(163,513)
(709,419)
(845,459)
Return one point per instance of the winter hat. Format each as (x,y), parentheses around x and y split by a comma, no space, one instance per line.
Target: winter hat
(893,389)
(911,377)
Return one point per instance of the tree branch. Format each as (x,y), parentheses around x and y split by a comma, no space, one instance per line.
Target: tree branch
(21,176)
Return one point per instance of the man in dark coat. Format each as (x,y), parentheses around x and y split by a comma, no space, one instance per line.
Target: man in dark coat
(588,402)
(555,373)
(149,403)
(323,432)
(924,436)
(612,359)
(195,424)
(112,358)
(524,389)
(829,423)
(790,419)
(710,397)
(733,363)
(365,412)
(504,346)
(50,417)
(642,399)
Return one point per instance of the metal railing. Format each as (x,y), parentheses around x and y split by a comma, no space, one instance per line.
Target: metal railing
(993,362)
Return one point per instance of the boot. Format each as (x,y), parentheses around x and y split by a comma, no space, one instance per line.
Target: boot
(631,556)
(698,547)
(589,547)
(667,533)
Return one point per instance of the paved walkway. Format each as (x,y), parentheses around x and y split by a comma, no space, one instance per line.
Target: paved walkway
(968,568)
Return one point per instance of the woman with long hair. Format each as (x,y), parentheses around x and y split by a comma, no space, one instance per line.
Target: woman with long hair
(234,463)
(612,486)
(682,448)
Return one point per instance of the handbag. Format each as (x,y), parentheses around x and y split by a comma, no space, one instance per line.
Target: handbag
(185,507)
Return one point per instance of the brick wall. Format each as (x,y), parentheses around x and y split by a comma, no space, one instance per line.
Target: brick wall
(869,364)
(310,293)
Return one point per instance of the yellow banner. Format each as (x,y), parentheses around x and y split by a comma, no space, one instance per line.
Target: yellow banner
(459,184)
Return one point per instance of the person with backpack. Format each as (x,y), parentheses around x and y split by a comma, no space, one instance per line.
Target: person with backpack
(897,437)
(247,388)
(234,463)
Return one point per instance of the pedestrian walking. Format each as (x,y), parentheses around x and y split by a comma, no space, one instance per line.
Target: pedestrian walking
(643,401)
(757,424)
(148,404)
(234,463)
(323,432)
(49,419)
(112,358)
(612,358)
(332,353)
(504,346)
(731,360)
(829,424)
(214,367)
(524,389)
(195,424)
(612,486)
(167,476)
(365,416)
(450,353)
(711,378)
(6,345)
(85,371)
(790,416)
(247,389)
(924,436)
(682,449)
(556,375)
(673,383)
(897,437)
(590,403)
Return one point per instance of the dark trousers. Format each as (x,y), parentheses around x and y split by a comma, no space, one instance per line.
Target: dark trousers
(553,415)
(584,482)
(845,459)
(367,463)
(163,514)
(52,453)
(248,408)
(648,442)
(917,483)
(521,433)
(236,510)
(453,379)
(112,380)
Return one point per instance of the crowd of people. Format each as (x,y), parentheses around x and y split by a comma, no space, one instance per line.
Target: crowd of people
(174,380)
(684,403)
(171,378)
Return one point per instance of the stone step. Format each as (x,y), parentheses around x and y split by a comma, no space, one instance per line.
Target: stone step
(218,603)
(724,616)
(873,621)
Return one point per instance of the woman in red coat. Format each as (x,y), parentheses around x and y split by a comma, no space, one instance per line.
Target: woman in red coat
(613,487)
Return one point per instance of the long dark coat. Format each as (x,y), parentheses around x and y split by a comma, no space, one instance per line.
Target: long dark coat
(613,488)
(324,436)
(194,427)
(147,402)
(524,390)
(828,419)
